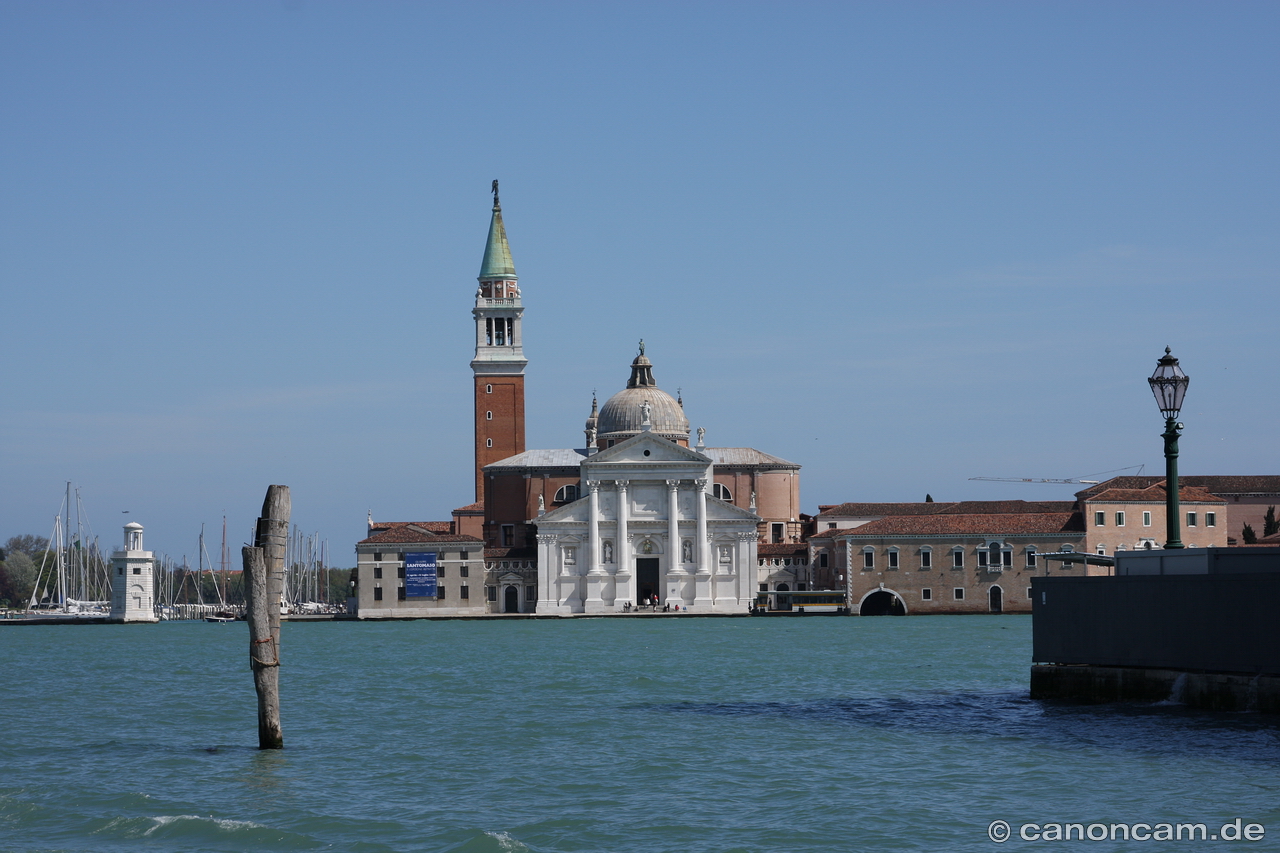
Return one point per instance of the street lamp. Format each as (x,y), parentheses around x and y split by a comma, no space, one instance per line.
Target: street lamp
(1169,384)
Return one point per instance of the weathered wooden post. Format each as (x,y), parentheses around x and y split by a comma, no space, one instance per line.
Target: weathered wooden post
(264,584)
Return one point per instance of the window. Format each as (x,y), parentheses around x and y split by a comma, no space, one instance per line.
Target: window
(530,593)
(893,559)
(400,572)
(464,572)
(508,535)
(1029,598)
(721,492)
(764,587)
(1119,519)
(400,594)
(492,592)
(926,594)
(488,389)
(779,532)
(926,557)
(1031,556)
(377,556)
(488,416)
(462,555)
(983,558)
(1102,549)
(440,571)
(958,593)
(439,592)
(1099,519)
(566,494)
(488,442)
(822,560)
(868,559)
(1191,519)
(957,558)
(377,593)
(1210,519)
(120,570)
(1146,519)
(137,570)
(466,592)
(831,525)
(377,572)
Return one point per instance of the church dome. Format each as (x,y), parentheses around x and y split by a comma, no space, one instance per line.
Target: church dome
(622,415)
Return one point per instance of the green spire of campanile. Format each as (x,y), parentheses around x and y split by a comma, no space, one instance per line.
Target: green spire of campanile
(497,254)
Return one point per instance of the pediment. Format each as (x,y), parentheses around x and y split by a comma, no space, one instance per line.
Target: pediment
(660,450)
(579,511)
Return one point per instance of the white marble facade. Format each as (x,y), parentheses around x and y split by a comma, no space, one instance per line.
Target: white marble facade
(646,526)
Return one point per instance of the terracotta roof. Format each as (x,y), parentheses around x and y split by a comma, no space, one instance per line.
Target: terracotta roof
(399,532)
(781,549)
(868,510)
(475,507)
(1002,507)
(827,534)
(972,525)
(1230,484)
(1156,494)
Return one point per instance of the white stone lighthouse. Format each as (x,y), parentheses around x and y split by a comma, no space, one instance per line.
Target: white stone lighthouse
(133,579)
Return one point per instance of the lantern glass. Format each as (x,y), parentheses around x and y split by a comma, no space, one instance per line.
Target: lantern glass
(1169,385)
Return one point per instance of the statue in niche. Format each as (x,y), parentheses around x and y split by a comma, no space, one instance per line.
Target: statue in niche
(542,504)
(608,552)
(686,551)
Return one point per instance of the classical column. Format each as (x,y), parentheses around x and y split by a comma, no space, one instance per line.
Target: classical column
(706,559)
(673,527)
(622,550)
(593,528)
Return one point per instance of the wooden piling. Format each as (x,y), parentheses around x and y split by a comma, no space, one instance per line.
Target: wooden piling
(264,585)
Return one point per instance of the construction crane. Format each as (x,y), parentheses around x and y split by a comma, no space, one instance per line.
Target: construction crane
(1079,480)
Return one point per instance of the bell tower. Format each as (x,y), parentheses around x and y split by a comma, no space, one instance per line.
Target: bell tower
(498,366)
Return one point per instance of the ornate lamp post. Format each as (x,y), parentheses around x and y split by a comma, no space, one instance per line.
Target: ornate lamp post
(1169,384)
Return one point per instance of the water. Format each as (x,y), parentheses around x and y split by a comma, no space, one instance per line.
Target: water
(592,735)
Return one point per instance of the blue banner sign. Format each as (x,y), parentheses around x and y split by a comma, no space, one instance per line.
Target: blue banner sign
(420,575)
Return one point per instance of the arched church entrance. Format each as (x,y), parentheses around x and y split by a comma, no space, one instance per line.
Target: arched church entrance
(997,599)
(511,600)
(882,603)
(646,579)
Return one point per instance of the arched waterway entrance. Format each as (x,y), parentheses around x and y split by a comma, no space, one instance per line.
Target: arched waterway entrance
(882,603)
(997,599)
(511,600)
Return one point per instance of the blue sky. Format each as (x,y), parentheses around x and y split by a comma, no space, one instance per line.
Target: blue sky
(900,244)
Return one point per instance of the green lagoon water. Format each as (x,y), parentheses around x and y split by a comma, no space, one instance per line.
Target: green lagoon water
(678,734)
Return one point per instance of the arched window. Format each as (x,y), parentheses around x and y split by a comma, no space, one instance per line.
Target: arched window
(721,492)
(567,494)
(488,442)
(488,416)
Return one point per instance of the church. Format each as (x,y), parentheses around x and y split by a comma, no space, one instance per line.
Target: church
(637,516)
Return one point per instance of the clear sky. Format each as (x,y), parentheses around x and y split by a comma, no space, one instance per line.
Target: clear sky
(901,244)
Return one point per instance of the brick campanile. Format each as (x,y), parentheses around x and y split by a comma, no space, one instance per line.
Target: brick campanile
(499,362)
